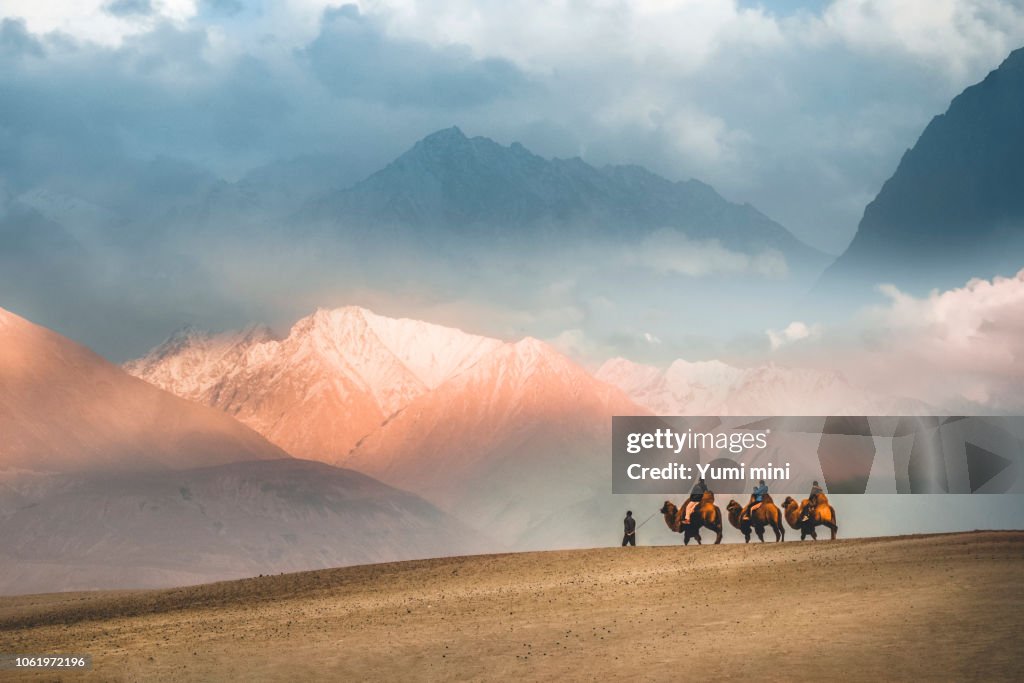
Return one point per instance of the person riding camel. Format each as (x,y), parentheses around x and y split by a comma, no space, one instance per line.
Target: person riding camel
(756,500)
(696,494)
(812,501)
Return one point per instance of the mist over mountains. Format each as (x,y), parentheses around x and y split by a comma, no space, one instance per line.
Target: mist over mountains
(954,208)
(476,188)
(429,225)
(502,238)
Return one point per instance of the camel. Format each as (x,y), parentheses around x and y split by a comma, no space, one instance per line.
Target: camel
(767,515)
(706,514)
(822,515)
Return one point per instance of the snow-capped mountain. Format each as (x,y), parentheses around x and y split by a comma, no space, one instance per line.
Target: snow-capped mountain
(715,388)
(500,434)
(504,445)
(109,482)
(64,408)
(335,377)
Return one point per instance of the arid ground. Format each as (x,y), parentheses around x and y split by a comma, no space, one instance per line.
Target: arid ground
(945,607)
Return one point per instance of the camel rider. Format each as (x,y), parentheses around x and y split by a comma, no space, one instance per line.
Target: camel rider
(696,494)
(629,527)
(812,501)
(757,499)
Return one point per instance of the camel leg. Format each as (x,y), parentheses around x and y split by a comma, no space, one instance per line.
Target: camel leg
(760,533)
(718,534)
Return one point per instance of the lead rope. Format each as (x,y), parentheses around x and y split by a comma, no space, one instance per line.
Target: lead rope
(647,520)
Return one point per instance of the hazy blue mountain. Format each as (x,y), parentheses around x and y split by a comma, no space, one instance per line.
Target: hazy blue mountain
(267,194)
(954,209)
(450,184)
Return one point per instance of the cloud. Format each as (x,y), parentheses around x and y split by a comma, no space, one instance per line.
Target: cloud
(794,332)
(16,41)
(960,350)
(224,7)
(949,34)
(669,251)
(103,22)
(354,59)
(968,340)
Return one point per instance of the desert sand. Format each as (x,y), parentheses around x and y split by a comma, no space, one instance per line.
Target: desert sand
(944,607)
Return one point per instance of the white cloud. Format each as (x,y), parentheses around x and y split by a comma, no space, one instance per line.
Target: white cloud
(955,34)
(669,251)
(960,350)
(794,332)
(968,340)
(567,34)
(89,19)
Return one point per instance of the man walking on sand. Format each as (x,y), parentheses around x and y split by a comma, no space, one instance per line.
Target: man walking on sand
(629,525)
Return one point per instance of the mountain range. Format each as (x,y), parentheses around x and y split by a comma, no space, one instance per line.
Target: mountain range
(452,185)
(509,437)
(716,388)
(954,208)
(107,481)
(335,377)
(500,434)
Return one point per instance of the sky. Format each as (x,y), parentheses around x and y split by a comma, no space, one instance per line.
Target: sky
(801,108)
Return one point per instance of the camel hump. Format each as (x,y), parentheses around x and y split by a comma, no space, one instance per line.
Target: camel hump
(822,499)
(767,499)
(708,497)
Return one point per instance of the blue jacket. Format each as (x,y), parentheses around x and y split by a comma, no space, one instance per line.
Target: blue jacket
(760,492)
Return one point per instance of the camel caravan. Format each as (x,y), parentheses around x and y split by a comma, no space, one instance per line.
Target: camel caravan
(760,514)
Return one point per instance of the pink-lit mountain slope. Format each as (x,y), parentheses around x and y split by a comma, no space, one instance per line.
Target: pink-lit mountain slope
(63,408)
(335,378)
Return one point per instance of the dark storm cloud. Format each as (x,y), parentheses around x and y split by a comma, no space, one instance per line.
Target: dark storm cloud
(355,60)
